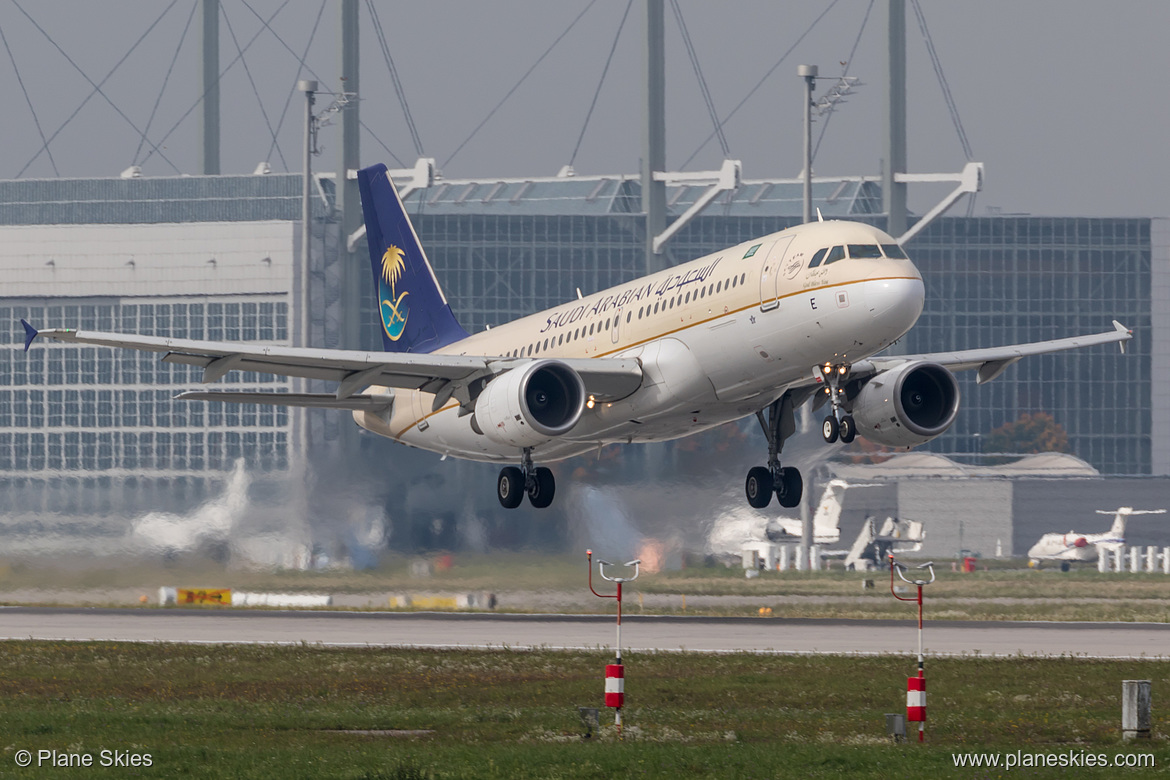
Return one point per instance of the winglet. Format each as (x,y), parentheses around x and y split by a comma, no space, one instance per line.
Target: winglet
(1122,329)
(30,333)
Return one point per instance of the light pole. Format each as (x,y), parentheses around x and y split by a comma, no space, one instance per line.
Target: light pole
(302,340)
(809,74)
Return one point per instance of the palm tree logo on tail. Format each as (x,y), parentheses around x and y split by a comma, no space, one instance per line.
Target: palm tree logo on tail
(394,310)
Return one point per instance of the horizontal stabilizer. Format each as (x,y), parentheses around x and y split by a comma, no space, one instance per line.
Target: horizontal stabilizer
(357,403)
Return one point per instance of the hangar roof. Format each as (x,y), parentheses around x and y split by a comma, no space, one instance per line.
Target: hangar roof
(930,465)
(278,197)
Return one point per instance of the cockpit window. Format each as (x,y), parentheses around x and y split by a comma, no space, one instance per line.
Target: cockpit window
(894,251)
(864,251)
(817,258)
(835,254)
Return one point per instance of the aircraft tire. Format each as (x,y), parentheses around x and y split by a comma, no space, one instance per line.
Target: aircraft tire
(848,429)
(791,487)
(544,486)
(510,487)
(759,487)
(830,429)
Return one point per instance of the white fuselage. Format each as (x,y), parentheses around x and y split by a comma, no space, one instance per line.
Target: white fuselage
(1073,546)
(718,338)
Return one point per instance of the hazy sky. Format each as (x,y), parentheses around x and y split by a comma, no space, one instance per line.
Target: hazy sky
(1064,100)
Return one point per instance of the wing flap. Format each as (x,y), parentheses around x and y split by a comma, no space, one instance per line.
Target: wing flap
(358,402)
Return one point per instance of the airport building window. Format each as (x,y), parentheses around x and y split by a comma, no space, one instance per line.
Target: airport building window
(73,408)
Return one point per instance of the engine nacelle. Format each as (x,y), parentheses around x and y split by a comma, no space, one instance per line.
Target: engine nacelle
(531,405)
(908,405)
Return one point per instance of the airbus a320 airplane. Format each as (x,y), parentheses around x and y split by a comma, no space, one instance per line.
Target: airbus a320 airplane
(757,329)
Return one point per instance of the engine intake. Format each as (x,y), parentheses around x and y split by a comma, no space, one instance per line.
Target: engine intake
(531,405)
(908,405)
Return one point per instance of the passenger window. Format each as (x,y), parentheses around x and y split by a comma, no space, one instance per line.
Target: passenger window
(835,254)
(894,251)
(629,316)
(818,257)
(864,251)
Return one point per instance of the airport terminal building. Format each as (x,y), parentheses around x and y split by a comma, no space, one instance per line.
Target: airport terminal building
(93,431)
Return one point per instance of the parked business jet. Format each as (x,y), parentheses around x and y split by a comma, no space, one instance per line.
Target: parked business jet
(1084,548)
(756,329)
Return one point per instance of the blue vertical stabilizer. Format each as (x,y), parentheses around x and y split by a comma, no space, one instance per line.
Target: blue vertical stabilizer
(413,314)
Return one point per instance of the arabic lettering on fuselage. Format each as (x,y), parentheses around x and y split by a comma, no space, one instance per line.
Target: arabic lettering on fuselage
(630,295)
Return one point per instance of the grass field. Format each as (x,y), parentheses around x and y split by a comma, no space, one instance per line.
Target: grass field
(292,712)
(1001,593)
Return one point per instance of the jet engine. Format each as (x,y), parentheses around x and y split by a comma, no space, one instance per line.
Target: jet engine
(531,405)
(908,405)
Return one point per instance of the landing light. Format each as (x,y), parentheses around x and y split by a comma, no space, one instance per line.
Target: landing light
(841,370)
(589,403)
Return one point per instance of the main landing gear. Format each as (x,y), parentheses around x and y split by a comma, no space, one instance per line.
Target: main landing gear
(536,482)
(785,481)
(836,426)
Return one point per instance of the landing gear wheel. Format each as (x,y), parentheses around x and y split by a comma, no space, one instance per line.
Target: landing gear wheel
(830,429)
(791,487)
(848,429)
(542,488)
(759,487)
(510,487)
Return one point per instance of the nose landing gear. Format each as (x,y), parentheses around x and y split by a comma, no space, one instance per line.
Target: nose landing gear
(537,482)
(836,426)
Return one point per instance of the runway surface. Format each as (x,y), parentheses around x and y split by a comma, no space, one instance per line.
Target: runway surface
(639,633)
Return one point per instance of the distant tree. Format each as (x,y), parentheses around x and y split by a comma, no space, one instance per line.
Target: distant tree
(1031,433)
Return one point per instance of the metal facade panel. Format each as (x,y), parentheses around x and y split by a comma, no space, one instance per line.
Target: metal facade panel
(1060,505)
(1160,347)
(959,515)
(146,260)
(154,200)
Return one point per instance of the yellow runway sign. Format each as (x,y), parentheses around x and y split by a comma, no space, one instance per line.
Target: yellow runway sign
(222,596)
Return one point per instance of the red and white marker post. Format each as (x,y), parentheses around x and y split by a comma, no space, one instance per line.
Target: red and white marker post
(915,686)
(615,673)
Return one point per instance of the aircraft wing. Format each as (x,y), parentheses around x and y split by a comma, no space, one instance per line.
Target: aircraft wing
(994,361)
(447,376)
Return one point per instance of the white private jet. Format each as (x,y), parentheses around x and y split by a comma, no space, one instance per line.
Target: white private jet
(1083,548)
(756,329)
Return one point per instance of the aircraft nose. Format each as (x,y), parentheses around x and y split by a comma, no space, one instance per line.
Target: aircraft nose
(895,304)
